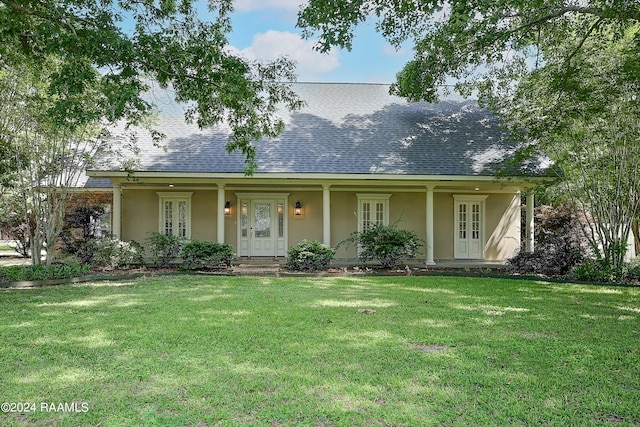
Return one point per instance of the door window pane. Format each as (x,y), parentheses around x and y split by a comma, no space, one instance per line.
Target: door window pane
(168,217)
(182,219)
(366,215)
(262,220)
(280,219)
(475,221)
(244,220)
(462,221)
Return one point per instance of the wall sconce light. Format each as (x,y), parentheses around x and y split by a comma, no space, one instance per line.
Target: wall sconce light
(227,208)
(297,209)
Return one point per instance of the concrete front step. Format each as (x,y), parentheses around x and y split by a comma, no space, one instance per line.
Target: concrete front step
(256,269)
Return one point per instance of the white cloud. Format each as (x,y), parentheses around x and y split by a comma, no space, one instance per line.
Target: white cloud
(253,5)
(310,63)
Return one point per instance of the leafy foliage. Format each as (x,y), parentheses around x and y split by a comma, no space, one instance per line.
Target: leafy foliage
(598,270)
(587,120)
(562,75)
(197,254)
(169,43)
(42,272)
(481,44)
(386,244)
(163,248)
(13,219)
(309,255)
(48,155)
(560,243)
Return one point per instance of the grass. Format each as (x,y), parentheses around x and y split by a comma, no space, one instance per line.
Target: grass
(401,351)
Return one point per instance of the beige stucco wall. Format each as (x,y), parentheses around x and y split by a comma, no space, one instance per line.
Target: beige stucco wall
(139,214)
(309,224)
(502,226)
(408,209)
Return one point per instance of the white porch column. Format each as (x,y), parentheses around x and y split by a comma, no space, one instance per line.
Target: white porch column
(220,216)
(326,214)
(530,230)
(429,240)
(117,211)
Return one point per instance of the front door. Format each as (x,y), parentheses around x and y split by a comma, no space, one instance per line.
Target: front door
(469,228)
(261,228)
(262,225)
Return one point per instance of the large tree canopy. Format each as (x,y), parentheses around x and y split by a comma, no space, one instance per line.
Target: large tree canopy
(471,41)
(564,75)
(133,42)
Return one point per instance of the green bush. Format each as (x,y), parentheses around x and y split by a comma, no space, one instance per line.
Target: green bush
(163,248)
(386,244)
(309,255)
(112,253)
(599,270)
(197,255)
(42,272)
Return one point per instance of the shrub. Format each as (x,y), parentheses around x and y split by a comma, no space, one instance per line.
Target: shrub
(309,255)
(197,254)
(386,244)
(600,270)
(112,253)
(42,272)
(560,243)
(163,248)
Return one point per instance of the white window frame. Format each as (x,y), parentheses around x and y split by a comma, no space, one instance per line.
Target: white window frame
(174,197)
(372,199)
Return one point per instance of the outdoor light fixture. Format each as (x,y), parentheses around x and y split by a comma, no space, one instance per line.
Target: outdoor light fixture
(227,208)
(298,208)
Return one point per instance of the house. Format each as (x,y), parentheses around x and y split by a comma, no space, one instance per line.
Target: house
(353,156)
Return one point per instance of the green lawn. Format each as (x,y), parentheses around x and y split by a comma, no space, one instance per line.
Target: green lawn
(204,351)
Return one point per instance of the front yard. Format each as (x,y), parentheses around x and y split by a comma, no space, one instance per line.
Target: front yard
(204,351)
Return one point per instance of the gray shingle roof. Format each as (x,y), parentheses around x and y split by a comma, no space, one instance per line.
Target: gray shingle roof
(345,128)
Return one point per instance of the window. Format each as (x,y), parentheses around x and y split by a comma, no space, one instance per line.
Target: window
(175,214)
(372,209)
(101,224)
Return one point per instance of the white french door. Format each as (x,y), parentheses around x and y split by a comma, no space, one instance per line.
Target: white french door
(469,227)
(262,225)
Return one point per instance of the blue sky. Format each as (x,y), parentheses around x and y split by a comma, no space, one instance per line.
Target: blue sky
(266,29)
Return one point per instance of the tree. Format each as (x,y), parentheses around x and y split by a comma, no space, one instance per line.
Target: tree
(48,156)
(479,43)
(70,69)
(587,119)
(563,75)
(133,42)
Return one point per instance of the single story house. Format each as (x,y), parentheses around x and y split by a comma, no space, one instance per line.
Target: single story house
(353,156)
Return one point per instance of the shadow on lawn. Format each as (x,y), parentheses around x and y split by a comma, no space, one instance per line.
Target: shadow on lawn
(204,351)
